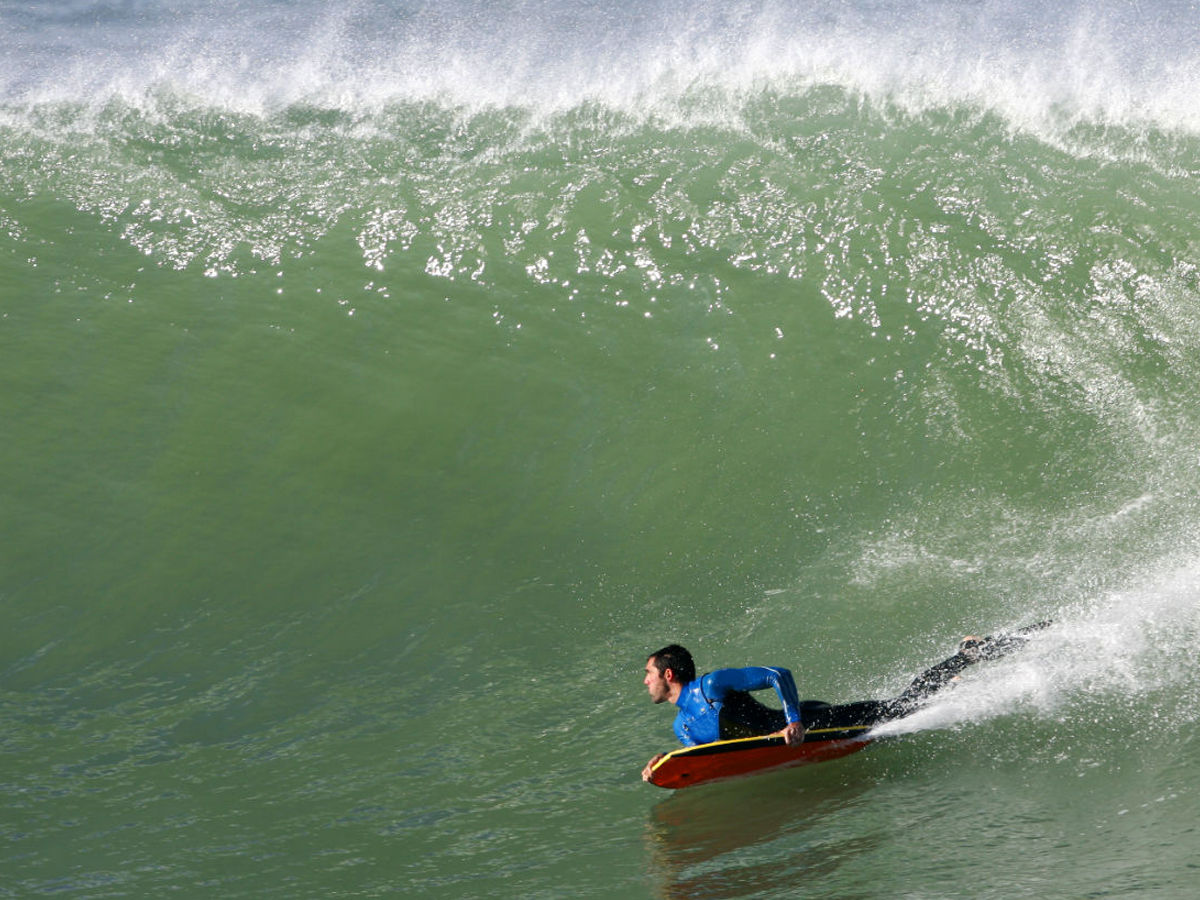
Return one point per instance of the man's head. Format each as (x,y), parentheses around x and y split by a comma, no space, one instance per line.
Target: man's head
(667,671)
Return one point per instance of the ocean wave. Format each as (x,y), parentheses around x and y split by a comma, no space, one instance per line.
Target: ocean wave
(1041,68)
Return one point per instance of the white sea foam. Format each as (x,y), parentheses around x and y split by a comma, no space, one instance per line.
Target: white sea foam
(1039,65)
(1125,646)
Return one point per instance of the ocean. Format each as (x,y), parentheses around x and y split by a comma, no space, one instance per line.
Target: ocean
(381,382)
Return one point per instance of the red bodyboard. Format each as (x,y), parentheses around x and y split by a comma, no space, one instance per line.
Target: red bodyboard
(719,760)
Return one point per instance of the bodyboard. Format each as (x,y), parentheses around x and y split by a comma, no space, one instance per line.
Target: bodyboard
(719,760)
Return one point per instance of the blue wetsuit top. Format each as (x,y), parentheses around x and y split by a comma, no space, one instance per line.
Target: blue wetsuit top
(700,702)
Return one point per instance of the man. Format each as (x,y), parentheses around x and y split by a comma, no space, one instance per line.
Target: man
(718,706)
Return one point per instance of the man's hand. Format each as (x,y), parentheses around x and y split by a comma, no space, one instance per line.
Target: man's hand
(793,734)
(650,766)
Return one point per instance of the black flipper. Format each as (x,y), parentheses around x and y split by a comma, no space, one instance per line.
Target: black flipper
(995,646)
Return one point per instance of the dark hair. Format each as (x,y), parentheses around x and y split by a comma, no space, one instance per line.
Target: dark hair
(677,659)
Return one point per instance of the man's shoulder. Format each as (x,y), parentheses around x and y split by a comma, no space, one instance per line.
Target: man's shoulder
(740,672)
(748,678)
(728,678)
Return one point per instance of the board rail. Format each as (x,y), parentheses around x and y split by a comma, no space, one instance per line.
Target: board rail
(720,760)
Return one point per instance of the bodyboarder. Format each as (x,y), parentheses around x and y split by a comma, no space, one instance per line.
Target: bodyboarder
(718,705)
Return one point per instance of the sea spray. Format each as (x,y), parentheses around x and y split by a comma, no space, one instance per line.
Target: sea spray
(1120,654)
(1112,63)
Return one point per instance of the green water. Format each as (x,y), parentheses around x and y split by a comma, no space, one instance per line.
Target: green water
(354,457)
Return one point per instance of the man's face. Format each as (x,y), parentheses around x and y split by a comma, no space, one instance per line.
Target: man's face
(656,683)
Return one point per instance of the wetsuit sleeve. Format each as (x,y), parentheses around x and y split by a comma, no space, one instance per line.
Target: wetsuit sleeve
(718,684)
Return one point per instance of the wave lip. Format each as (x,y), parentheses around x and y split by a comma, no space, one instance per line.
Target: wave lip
(1105,63)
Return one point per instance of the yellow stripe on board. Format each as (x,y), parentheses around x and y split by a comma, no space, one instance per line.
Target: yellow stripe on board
(759,737)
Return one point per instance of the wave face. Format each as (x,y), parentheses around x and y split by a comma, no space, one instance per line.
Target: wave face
(383,383)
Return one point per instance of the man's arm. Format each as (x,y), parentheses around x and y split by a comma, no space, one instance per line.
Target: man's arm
(718,684)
